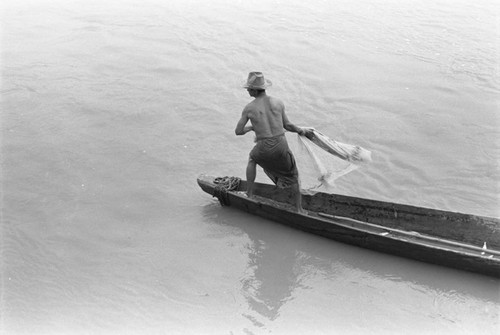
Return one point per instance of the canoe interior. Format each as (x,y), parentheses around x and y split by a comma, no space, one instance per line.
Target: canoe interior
(463,228)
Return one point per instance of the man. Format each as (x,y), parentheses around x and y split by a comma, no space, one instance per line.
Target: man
(269,122)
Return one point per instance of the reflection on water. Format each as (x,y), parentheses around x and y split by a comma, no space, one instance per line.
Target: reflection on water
(283,263)
(274,270)
(272,277)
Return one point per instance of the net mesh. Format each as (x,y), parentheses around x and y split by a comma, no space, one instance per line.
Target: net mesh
(321,161)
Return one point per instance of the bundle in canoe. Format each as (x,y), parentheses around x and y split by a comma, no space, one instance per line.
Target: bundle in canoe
(463,241)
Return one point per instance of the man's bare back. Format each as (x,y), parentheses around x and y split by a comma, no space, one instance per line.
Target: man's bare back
(267,116)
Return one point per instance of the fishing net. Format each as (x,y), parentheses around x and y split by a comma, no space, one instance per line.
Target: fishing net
(222,186)
(321,161)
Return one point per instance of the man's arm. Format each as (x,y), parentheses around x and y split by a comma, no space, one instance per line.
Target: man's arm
(290,126)
(307,132)
(241,129)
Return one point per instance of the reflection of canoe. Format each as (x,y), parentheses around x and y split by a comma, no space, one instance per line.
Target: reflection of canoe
(434,236)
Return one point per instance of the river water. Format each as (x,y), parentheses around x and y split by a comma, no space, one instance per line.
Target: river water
(111,109)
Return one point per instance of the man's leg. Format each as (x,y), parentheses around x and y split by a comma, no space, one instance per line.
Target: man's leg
(298,197)
(251,174)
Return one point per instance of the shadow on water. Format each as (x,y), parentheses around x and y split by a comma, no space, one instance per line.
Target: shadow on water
(282,259)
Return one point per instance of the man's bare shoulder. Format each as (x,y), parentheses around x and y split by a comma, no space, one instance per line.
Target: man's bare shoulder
(249,107)
(276,103)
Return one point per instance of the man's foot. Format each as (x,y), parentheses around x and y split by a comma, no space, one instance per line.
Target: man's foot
(250,193)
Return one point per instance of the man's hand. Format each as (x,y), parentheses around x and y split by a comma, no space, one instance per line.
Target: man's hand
(307,132)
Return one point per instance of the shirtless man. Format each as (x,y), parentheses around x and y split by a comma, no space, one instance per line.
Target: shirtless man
(269,122)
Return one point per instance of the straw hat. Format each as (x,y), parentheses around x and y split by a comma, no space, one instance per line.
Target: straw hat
(256,81)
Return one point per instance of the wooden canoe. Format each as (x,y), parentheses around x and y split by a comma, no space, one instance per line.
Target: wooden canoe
(462,241)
